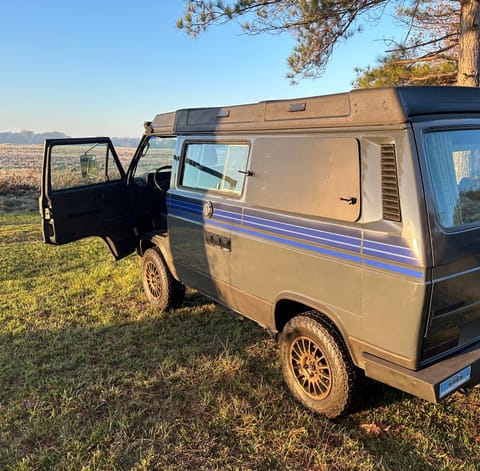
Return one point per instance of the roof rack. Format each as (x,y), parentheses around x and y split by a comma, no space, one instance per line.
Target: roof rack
(381,106)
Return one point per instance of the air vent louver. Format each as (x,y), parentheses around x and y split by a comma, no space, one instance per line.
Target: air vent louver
(390,197)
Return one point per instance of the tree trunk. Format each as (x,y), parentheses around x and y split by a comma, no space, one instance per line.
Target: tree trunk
(469,41)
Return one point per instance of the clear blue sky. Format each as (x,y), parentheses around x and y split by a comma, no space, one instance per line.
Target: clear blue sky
(102,67)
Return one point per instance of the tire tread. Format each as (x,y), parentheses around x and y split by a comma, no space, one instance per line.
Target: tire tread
(339,400)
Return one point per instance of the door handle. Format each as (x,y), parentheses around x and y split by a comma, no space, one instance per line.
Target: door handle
(351,200)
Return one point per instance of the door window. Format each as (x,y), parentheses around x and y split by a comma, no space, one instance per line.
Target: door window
(213,166)
(77,165)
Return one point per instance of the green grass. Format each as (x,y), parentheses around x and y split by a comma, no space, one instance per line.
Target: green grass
(93,378)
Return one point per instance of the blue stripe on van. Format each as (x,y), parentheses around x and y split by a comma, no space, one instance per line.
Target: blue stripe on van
(313,235)
(343,246)
(395,268)
(230,216)
(291,230)
(185,206)
(293,243)
(391,252)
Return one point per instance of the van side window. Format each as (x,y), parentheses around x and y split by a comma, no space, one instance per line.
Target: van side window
(213,166)
(314,176)
(77,165)
(453,159)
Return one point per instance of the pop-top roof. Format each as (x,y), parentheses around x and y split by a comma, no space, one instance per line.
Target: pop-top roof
(381,106)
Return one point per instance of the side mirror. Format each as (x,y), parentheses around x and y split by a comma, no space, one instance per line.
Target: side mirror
(88,166)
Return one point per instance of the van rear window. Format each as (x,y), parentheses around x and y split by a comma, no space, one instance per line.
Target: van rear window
(453,161)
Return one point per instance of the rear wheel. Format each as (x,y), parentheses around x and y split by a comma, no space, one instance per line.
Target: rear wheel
(161,288)
(316,366)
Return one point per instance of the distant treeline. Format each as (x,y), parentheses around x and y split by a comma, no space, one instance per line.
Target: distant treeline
(30,137)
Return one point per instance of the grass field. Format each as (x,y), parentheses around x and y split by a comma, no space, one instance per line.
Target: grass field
(93,378)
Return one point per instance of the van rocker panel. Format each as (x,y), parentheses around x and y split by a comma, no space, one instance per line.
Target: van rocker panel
(434,382)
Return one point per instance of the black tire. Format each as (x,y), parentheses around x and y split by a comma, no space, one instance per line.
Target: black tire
(316,366)
(161,288)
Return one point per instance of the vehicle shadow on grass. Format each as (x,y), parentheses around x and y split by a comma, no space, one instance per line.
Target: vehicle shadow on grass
(188,389)
(176,388)
(373,394)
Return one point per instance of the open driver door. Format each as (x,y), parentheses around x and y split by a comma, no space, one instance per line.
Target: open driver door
(84,193)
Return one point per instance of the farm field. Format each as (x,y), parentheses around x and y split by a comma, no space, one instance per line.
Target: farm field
(20,174)
(93,378)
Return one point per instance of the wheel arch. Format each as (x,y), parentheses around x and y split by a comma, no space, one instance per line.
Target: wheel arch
(160,286)
(290,305)
(144,244)
(150,240)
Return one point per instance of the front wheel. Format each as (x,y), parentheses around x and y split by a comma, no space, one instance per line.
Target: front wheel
(161,288)
(316,366)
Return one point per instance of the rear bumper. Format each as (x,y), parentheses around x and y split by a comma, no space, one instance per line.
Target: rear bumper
(434,382)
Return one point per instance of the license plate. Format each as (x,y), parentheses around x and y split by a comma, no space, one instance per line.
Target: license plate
(456,380)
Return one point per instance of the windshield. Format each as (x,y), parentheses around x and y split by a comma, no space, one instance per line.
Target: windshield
(158,151)
(453,160)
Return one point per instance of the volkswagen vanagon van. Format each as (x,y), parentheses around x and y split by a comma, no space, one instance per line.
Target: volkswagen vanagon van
(346,225)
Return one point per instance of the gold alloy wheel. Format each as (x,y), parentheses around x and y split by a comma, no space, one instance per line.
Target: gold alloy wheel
(153,276)
(310,368)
